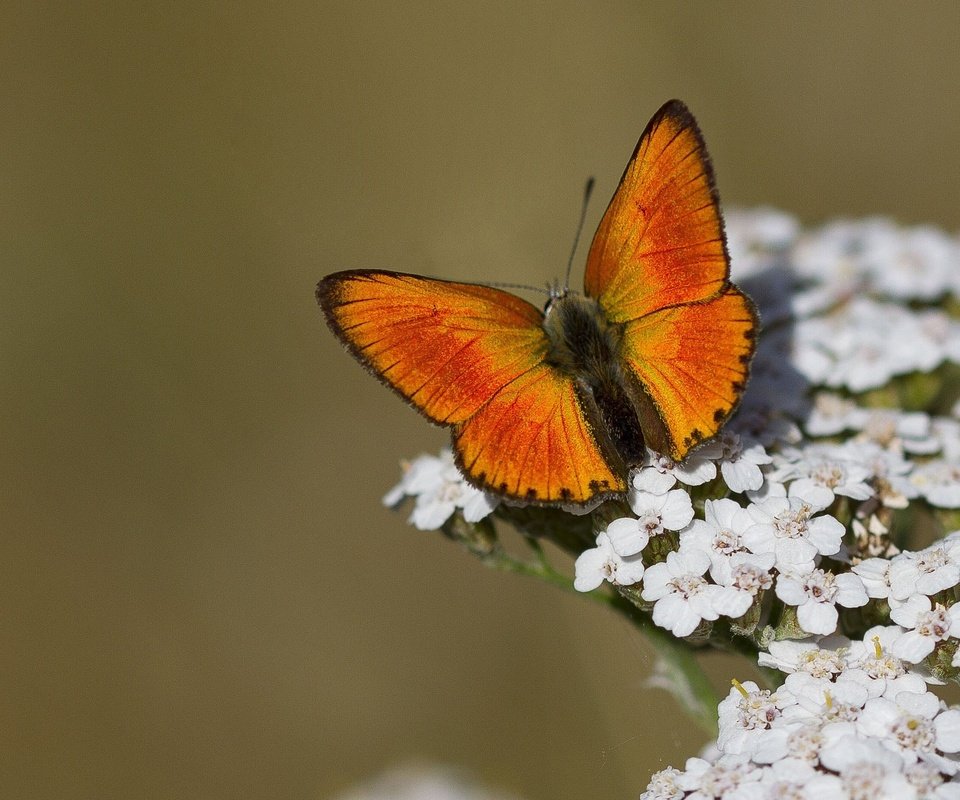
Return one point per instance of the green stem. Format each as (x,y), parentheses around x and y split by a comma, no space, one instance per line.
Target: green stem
(502,560)
(678,670)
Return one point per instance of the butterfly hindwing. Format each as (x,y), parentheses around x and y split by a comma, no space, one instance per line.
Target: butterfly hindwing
(474,358)
(692,361)
(535,442)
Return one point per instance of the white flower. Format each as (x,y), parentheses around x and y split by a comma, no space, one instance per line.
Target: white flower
(819,659)
(770,489)
(910,263)
(628,535)
(790,779)
(825,259)
(812,360)
(719,534)
(925,572)
(663,786)
(875,574)
(874,658)
(832,414)
(942,331)
(909,724)
(890,472)
(863,344)
(929,783)
(722,779)
(948,730)
(824,471)
(820,700)
(660,473)
(683,597)
(816,596)
(421,782)
(947,434)
(656,513)
(440,490)
(788,528)
(754,235)
(748,575)
(939,482)
(747,713)
(740,464)
(476,504)
(897,431)
(604,563)
(866,768)
(926,625)
(802,742)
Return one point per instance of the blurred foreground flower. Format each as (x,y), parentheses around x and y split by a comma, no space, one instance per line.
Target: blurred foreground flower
(422,783)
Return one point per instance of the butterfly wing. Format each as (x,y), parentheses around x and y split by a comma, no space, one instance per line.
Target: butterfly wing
(473,358)
(658,265)
(691,361)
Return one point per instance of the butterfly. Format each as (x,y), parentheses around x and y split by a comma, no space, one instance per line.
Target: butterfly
(555,407)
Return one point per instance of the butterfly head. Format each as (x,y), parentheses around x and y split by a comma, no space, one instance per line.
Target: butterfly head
(556,292)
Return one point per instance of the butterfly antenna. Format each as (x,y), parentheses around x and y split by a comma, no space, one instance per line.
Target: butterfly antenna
(498,285)
(588,190)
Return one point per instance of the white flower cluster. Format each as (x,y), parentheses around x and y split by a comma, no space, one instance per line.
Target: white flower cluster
(439,490)
(776,484)
(845,289)
(726,561)
(850,721)
(853,719)
(795,513)
(783,533)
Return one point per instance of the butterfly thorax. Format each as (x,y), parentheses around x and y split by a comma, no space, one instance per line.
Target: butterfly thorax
(586,345)
(582,339)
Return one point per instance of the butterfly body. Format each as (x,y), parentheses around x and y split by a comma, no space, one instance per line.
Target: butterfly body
(585,345)
(555,407)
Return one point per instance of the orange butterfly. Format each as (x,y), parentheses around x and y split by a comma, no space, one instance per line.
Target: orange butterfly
(555,407)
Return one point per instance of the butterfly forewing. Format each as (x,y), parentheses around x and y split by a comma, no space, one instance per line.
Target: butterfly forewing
(474,358)
(660,242)
(446,347)
(658,266)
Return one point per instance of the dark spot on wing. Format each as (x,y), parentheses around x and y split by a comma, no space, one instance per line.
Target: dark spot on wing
(719,415)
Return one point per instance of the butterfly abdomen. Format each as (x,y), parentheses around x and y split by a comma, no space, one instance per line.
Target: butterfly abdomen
(586,345)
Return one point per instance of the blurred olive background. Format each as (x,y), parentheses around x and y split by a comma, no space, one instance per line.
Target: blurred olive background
(201,594)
